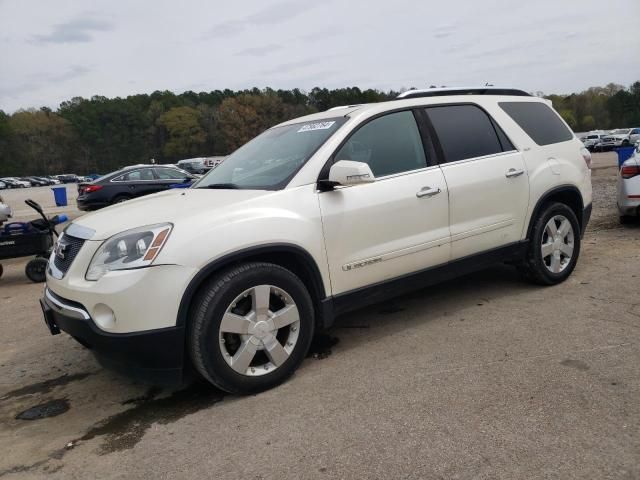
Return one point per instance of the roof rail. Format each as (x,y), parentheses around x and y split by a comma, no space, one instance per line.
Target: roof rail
(344,106)
(438,92)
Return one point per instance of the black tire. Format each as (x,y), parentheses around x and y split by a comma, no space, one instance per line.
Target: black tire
(534,268)
(626,220)
(120,199)
(208,308)
(36,269)
(1,270)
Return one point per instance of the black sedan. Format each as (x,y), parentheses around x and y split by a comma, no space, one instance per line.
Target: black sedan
(128,183)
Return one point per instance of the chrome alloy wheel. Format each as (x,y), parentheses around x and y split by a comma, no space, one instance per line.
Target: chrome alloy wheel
(259,330)
(557,243)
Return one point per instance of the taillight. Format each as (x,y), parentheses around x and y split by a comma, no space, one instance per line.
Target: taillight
(629,171)
(92,188)
(586,156)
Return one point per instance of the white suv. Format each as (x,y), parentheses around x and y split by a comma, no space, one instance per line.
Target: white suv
(315,217)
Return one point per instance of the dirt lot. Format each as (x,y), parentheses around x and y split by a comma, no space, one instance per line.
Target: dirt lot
(483,377)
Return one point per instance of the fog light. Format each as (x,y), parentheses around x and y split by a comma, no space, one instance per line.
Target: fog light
(104,316)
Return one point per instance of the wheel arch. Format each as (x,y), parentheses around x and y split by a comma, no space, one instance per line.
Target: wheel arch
(568,194)
(292,257)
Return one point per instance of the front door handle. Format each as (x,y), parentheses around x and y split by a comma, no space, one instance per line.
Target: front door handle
(427,192)
(512,172)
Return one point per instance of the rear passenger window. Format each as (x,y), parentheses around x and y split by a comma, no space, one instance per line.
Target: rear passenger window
(135,176)
(465,131)
(540,122)
(169,174)
(389,144)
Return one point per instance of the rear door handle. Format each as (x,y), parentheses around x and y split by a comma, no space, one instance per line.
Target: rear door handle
(427,192)
(512,172)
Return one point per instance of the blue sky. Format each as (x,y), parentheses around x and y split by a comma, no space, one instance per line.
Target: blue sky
(51,51)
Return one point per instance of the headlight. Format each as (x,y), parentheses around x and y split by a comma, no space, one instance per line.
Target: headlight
(127,250)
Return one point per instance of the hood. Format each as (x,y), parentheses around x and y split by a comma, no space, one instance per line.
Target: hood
(170,206)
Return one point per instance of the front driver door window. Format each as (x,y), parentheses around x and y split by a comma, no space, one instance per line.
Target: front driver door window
(389,144)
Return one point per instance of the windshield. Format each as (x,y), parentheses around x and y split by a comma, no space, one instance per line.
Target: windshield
(271,159)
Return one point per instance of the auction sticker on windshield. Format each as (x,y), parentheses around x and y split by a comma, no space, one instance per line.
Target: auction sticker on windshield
(315,126)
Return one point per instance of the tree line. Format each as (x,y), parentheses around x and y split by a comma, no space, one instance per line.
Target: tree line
(100,134)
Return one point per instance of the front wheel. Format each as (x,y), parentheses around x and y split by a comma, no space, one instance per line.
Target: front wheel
(36,269)
(251,327)
(554,246)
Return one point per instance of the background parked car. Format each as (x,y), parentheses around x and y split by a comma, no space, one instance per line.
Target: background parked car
(54,181)
(194,165)
(621,137)
(35,181)
(3,185)
(47,180)
(591,140)
(628,187)
(67,178)
(128,183)
(14,182)
(626,136)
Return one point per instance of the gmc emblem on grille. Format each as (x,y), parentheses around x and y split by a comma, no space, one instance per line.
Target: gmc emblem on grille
(61,250)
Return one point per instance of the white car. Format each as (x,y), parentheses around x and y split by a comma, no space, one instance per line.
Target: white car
(5,212)
(621,137)
(15,182)
(628,187)
(591,140)
(316,217)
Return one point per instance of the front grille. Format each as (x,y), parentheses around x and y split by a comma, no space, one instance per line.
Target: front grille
(66,251)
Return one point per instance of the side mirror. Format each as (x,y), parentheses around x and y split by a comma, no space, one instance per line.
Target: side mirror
(348,172)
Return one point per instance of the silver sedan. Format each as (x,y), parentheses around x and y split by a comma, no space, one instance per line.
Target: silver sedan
(629,187)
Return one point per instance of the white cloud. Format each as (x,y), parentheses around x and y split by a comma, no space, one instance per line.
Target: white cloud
(58,50)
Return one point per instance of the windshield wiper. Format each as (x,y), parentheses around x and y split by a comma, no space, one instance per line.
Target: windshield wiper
(221,186)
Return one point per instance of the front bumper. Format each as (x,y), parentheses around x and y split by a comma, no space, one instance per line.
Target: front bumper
(153,356)
(629,209)
(87,205)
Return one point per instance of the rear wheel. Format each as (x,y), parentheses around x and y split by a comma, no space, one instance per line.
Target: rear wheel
(554,246)
(36,269)
(120,199)
(251,327)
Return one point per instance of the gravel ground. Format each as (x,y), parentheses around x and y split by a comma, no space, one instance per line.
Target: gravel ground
(483,377)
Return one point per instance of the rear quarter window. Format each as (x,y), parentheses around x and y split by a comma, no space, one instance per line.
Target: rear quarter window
(540,122)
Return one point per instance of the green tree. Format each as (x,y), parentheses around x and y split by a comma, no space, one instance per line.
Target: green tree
(588,123)
(569,117)
(186,136)
(100,134)
(42,142)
